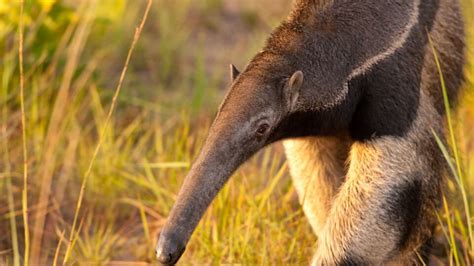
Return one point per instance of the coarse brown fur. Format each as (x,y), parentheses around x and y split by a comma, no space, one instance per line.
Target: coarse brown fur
(352,89)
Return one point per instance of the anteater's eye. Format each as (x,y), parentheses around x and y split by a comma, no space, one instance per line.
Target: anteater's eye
(262,129)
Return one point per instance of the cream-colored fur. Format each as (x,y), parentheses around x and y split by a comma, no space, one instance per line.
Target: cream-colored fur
(346,207)
(317,167)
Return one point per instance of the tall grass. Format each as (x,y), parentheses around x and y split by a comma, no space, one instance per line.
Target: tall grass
(24,198)
(106,124)
(459,229)
(56,121)
(9,188)
(456,169)
(105,161)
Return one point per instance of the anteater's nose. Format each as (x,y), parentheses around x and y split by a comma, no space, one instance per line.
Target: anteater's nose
(169,249)
(162,257)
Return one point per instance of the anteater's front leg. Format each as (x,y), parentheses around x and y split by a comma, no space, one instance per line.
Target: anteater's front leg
(384,212)
(317,166)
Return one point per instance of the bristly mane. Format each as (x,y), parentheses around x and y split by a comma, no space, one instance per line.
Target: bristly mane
(311,5)
(284,43)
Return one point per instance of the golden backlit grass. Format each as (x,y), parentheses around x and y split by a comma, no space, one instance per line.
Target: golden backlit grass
(72,58)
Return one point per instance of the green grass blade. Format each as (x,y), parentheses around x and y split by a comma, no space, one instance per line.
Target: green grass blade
(454,146)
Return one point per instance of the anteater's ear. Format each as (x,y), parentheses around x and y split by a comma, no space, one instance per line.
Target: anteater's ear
(293,88)
(234,72)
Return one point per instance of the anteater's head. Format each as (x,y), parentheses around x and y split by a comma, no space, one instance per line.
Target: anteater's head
(259,100)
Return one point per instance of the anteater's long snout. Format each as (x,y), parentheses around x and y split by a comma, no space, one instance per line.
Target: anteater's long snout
(213,167)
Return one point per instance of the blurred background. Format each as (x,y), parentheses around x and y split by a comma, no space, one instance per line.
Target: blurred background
(74,52)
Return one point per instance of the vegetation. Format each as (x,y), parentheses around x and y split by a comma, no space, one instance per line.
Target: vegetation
(73,55)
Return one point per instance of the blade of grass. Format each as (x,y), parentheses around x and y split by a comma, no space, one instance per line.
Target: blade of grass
(454,144)
(452,239)
(58,248)
(168,165)
(13,227)
(420,258)
(144,220)
(6,77)
(445,152)
(109,115)
(11,200)
(443,229)
(24,198)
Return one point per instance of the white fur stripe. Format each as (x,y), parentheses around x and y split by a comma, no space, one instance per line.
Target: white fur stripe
(339,99)
(398,43)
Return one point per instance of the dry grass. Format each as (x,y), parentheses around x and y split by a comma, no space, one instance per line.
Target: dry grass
(124,155)
(106,124)
(24,198)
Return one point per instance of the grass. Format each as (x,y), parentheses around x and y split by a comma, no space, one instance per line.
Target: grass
(106,124)
(72,57)
(457,173)
(24,198)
